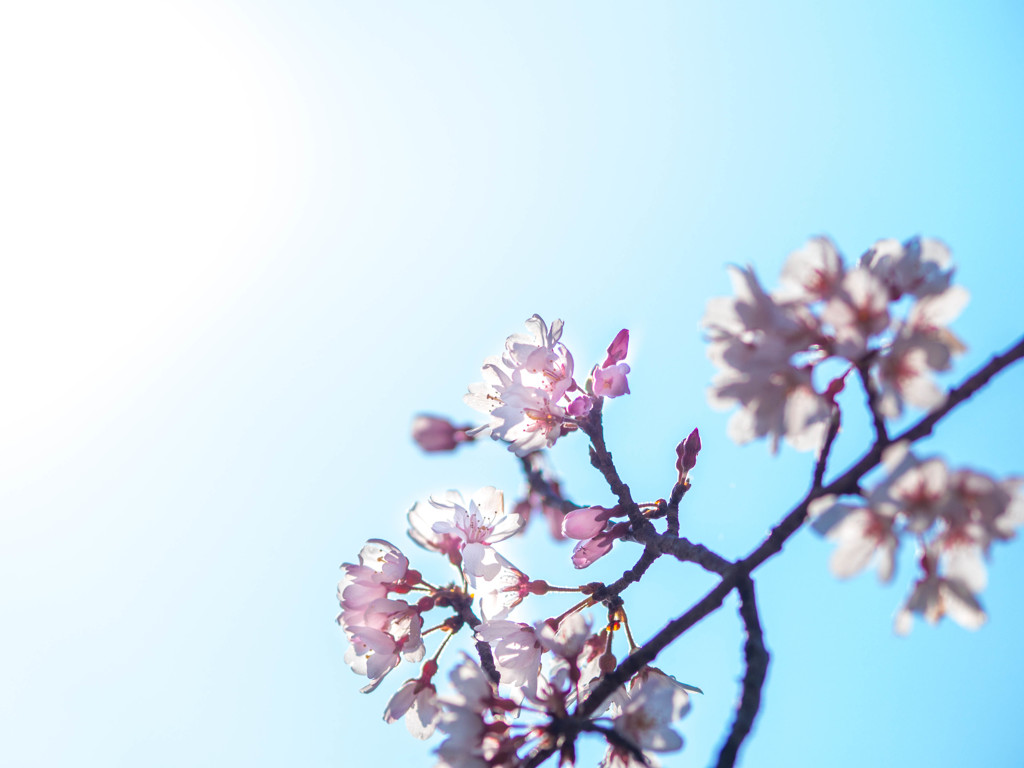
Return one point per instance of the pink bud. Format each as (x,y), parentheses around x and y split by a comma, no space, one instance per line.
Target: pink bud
(585,523)
(590,551)
(433,433)
(687,452)
(617,349)
(580,406)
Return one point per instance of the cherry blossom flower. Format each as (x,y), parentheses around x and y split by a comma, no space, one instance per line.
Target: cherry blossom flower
(919,267)
(655,701)
(568,638)
(478,524)
(857,311)
(775,403)
(417,702)
(382,569)
(517,651)
(812,273)
(421,519)
(503,591)
(471,741)
(922,345)
(525,391)
(611,381)
(863,535)
(935,596)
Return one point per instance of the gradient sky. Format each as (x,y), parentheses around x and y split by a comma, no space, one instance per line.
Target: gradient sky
(244,242)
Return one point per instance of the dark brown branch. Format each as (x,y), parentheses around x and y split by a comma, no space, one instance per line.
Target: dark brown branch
(826,448)
(685,551)
(881,433)
(678,491)
(601,458)
(756,657)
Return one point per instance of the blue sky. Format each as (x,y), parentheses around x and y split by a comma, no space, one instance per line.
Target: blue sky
(245,242)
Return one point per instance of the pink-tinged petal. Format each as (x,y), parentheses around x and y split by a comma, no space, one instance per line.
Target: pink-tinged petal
(585,523)
(617,349)
(399,703)
(960,605)
(425,714)
(965,563)
(813,272)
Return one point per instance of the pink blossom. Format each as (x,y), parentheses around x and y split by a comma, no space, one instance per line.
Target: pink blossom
(780,403)
(857,311)
(812,273)
(611,381)
(417,702)
(653,704)
(516,651)
(920,267)
(421,519)
(479,524)
(862,534)
(935,596)
(503,591)
(566,639)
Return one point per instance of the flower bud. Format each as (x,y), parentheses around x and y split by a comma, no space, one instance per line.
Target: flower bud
(433,433)
(687,452)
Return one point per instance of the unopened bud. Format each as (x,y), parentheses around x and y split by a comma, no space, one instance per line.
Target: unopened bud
(617,349)
(686,453)
(607,663)
(433,433)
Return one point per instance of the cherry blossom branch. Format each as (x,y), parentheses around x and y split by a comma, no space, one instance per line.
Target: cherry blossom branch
(592,427)
(685,551)
(540,485)
(756,657)
(772,544)
(678,491)
(826,449)
(881,433)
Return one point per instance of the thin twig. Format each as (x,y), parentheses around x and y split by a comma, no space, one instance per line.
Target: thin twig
(601,458)
(678,491)
(826,448)
(881,433)
(756,658)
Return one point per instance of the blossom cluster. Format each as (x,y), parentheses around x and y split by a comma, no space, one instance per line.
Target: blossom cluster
(953,515)
(529,392)
(769,345)
(547,668)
